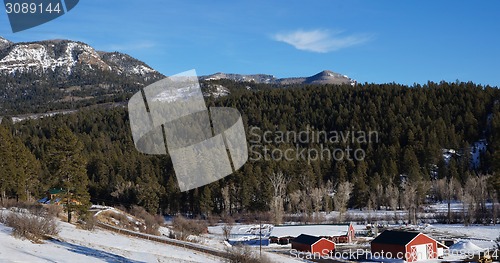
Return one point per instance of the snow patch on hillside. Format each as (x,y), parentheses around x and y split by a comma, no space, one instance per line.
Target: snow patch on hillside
(217,91)
(36,56)
(477,149)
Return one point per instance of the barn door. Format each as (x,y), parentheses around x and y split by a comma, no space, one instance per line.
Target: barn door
(421,252)
(430,251)
(413,254)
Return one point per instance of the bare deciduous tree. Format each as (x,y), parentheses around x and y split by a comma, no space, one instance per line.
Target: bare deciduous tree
(376,197)
(409,200)
(278,182)
(295,201)
(467,204)
(392,196)
(225,199)
(341,197)
(317,195)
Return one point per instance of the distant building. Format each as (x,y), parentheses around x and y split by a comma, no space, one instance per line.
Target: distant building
(335,233)
(249,241)
(410,246)
(348,237)
(313,244)
(55,196)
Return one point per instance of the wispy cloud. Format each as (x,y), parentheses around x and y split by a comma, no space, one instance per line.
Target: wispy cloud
(320,40)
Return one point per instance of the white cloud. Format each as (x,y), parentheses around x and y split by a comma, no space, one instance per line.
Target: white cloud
(320,40)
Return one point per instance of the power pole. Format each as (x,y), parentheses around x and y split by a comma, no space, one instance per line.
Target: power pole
(260,236)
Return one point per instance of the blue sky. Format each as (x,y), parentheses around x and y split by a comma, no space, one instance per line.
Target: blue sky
(371,41)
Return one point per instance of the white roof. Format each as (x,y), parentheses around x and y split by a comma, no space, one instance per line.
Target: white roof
(313,230)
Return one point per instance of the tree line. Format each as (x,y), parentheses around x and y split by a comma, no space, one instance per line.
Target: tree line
(404,169)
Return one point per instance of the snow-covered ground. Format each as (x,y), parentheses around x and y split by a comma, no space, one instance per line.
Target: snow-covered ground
(482,236)
(100,245)
(314,230)
(77,245)
(215,239)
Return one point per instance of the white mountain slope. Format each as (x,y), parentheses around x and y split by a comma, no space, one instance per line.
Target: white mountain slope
(65,57)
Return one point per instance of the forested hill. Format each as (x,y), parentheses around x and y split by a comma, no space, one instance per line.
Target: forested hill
(37,77)
(414,125)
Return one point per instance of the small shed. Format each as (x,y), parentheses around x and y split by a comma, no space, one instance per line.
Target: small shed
(313,244)
(410,246)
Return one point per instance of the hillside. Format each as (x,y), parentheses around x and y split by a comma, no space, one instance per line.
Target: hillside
(58,75)
(49,75)
(414,126)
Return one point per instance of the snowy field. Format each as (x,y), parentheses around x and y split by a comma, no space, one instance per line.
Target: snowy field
(76,245)
(482,236)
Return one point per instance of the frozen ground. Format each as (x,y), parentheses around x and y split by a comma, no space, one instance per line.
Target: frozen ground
(76,245)
(482,236)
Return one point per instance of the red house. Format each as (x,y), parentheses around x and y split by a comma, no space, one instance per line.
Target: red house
(313,244)
(410,246)
(347,238)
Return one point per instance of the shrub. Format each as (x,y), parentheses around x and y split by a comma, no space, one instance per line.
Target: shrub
(88,222)
(54,210)
(244,254)
(212,220)
(151,223)
(32,226)
(228,226)
(184,227)
(226,230)
(8,203)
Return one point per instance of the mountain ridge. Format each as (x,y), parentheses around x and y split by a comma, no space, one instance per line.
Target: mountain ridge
(323,77)
(52,75)
(64,56)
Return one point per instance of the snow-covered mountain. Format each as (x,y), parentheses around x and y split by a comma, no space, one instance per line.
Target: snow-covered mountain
(324,77)
(44,76)
(57,75)
(257,78)
(64,57)
(4,43)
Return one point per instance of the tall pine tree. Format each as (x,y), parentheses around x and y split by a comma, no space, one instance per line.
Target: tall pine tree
(67,164)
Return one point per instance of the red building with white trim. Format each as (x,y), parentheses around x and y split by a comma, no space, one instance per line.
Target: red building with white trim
(410,246)
(313,244)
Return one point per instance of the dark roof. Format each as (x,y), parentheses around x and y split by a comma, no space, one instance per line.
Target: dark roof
(306,239)
(394,237)
(55,191)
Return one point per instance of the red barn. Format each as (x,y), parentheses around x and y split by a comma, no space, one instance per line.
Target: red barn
(346,238)
(410,246)
(313,244)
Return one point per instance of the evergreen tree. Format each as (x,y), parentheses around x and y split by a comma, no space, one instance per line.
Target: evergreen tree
(67,163)
(7,163)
